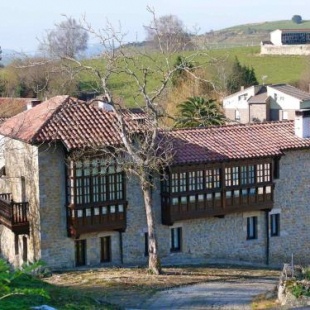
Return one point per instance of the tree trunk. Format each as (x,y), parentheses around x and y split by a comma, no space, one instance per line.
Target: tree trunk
(154,261)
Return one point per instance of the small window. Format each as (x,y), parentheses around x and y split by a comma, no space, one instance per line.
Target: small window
(80,252)
(105,249)
(25,249)
(176,239)
(275,225)
(285,115)
(276,168)
(16,239)
(146,244)
(252,227)
(237,115)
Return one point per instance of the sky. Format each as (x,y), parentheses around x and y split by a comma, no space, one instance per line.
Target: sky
(24,23)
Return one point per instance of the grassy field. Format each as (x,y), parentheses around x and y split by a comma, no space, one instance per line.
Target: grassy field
(277,69)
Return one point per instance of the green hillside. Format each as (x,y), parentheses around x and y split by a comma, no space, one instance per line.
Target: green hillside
(277,69)
(248,34)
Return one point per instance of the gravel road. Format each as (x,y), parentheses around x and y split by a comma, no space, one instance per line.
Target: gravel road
(224,295)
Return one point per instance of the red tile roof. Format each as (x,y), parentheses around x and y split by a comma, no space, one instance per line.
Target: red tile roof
(76,124)
(80,125)
(235,142)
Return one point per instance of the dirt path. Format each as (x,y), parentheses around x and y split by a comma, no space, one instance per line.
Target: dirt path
(234,294)
(182,287)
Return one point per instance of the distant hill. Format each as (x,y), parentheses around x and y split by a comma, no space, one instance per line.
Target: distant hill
(246,35)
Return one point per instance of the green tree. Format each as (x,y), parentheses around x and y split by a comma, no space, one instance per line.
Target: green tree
(182,66)
(297,19)
(240,76)
(197,112)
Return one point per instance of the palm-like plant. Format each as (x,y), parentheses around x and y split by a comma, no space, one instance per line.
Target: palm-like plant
(197,112)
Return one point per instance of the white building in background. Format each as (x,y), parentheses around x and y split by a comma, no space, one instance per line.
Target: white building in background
(287,42)
(261,103)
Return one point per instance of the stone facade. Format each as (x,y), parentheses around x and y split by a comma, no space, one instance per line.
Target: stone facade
(291,199)
(44,169)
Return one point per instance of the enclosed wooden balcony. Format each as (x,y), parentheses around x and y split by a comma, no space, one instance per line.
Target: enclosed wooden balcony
(14,215)
(96,218)
(216,203)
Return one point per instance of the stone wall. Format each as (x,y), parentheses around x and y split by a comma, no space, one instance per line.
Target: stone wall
(285,50)
(57,249)
(291,199)
(22,181)
(259,112)
(243,113)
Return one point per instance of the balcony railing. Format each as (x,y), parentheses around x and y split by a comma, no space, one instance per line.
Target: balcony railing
(97,218)
(179,207)
(14,215)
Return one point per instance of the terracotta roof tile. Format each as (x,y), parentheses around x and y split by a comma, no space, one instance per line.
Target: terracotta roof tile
(75,123)
(235,142)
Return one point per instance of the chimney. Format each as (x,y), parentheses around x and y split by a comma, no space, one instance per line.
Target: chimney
(302,123)
(241,88)
(33,103)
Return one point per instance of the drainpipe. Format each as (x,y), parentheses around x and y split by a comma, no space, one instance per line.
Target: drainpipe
(249,113)
(121,247)
(267,236)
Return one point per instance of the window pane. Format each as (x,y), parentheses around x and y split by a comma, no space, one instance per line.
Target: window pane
(235,176)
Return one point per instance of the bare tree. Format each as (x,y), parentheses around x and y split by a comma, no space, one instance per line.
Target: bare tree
(146,152)
(67,39)
(168,33)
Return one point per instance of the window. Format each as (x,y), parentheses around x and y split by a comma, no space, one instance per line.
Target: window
(284,115)
(263,173)
(232,176)
(275,225)
(80,252)
(213,178)
(247,174)
(16,243)
(25,249)
(95,181)
(237,115)
(176,239)
(146,244)
(276,168)
(252,227)
(105,249)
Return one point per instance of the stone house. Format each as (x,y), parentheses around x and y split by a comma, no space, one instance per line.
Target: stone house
(232,192)
(260,103)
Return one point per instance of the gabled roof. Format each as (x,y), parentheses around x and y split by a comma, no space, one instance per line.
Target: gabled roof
(292,91)
(75,123)
(234,142)
(260,96)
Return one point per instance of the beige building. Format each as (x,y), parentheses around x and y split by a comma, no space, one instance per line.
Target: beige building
(232,192)
(260,103)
